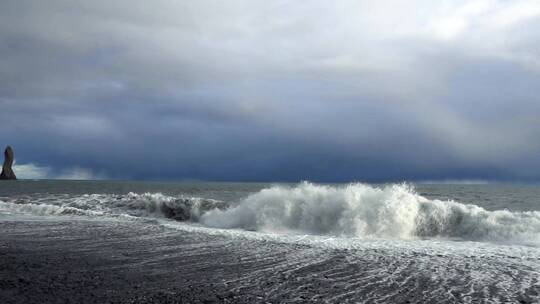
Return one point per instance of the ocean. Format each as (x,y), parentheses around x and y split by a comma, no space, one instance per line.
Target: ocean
(372,243)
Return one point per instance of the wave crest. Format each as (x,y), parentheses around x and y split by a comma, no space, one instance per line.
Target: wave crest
(132,204)
(354,210)
(46,209)
(359,210)
(177,208)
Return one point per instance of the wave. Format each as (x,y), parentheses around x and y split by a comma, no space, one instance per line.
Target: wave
(45,209)
(132,204)
(364,211)
(354,210)
(177,208)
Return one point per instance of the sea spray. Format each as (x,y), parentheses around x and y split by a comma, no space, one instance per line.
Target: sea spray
(132,204)
(355,210)
(364,211)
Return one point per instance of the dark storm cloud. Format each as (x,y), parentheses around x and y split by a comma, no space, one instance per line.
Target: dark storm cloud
(257,90)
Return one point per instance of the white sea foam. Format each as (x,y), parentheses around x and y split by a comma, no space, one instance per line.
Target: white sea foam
(356,236)
(132,204)
(359,210)
(354,210)
(178,208)
(45,209)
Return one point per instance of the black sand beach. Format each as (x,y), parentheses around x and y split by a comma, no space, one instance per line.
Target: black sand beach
(98,261)
(86,261)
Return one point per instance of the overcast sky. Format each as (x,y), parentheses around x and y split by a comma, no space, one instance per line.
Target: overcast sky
(272,90)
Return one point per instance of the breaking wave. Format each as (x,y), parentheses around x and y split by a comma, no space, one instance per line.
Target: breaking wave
(359,210)
(45,209)
(132,204)
(354,210)
(177,208)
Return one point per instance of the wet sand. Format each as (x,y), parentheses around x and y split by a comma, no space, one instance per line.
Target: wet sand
(99,261)
(87,261)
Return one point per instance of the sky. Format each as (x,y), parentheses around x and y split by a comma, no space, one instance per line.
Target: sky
(328,91)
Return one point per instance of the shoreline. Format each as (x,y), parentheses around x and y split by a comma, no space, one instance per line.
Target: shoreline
(78,260)
(97,261)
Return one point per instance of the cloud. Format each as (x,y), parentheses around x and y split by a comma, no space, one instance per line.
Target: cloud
(282,90)
(77,173)
(33,171)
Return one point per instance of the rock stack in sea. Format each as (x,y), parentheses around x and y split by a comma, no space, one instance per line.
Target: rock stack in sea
(7,171)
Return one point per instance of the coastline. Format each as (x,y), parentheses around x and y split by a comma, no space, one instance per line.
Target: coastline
(96,261)
(81,260)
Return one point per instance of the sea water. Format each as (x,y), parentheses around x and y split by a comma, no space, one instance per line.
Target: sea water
(465,241)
